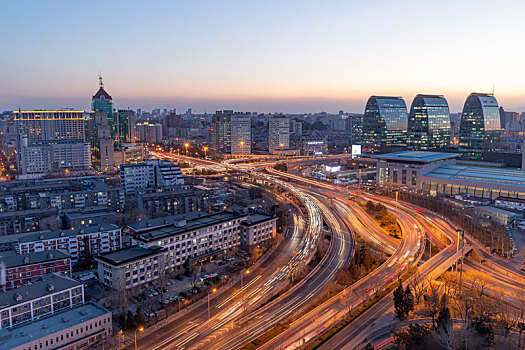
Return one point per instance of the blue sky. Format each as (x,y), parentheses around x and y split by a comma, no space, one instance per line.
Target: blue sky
(291,56)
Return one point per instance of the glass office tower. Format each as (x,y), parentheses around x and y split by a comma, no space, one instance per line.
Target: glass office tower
(428,123)
(480,128)
(384,123)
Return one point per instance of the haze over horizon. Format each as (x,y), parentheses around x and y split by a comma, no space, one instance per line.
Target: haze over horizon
(293,57)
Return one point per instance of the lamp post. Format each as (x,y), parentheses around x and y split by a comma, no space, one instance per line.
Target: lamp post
(120,338)
(186,145)
(140,329)
(205,150)
(212,291)
(242,274)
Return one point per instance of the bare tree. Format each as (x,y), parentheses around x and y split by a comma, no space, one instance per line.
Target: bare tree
(419,285)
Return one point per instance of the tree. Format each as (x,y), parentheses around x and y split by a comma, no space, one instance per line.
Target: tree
(412,338)
(403,301)
(139,316)
(130,320)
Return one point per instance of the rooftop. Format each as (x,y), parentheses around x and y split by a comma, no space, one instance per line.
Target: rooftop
(258,218)
(479,174)
(166,220)
(45,235)
(37,289)
(188,225)
(33,258)
(126,255)
(14,337)
(495,210)
(416,156)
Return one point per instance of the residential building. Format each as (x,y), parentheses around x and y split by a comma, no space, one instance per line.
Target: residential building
(20,221)
(91,239)
(89,216)
(428,123)
(173,200)
(279,134)
(258,228)
(153,173)
(480,128)
(385,123)
(84,327)
(45,296)
(61,193)
(131,267)
(20,269)
(194,237)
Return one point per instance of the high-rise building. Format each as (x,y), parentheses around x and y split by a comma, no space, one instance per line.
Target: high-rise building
(231,132)
(50,125)
(428,123)
(241,134)
(355,126)
(480,128)
(102,101)
(278,134)
(126,126)
(296,126)
(384,123)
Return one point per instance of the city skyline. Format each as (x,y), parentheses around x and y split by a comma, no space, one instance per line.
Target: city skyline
(296,57)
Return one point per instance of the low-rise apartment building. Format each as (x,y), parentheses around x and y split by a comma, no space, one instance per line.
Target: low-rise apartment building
(50,294)
(257,229)
(84,327)
(20,269)
(92,239)
(131,267)
(165,245)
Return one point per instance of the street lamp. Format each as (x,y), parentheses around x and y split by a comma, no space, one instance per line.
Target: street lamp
(212,291)
(140,329)
(205,150)
(187,145)
(242,274)
(120,338)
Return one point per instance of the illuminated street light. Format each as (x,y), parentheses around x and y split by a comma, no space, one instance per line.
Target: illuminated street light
(187,145)
(140,329)
(242,274)
(205,148)
(212,291)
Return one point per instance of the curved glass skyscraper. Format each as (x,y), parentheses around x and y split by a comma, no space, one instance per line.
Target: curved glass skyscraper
(384,123)
(428,123)
(480,127)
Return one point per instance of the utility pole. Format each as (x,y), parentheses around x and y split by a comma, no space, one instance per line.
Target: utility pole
(462,249)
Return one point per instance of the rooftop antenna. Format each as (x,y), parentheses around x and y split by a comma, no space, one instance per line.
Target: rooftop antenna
(492,89)
(100,80)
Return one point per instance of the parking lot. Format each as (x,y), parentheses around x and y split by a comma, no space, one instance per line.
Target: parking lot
(180,291)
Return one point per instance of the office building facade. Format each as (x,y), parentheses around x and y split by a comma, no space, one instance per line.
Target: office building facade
(480,128)
(428,123)
(385,123)
(231,132)
(50,125)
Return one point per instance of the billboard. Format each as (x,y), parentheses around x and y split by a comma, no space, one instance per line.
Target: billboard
(356,150)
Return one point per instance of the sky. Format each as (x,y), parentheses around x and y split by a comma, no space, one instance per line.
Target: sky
(265,56)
